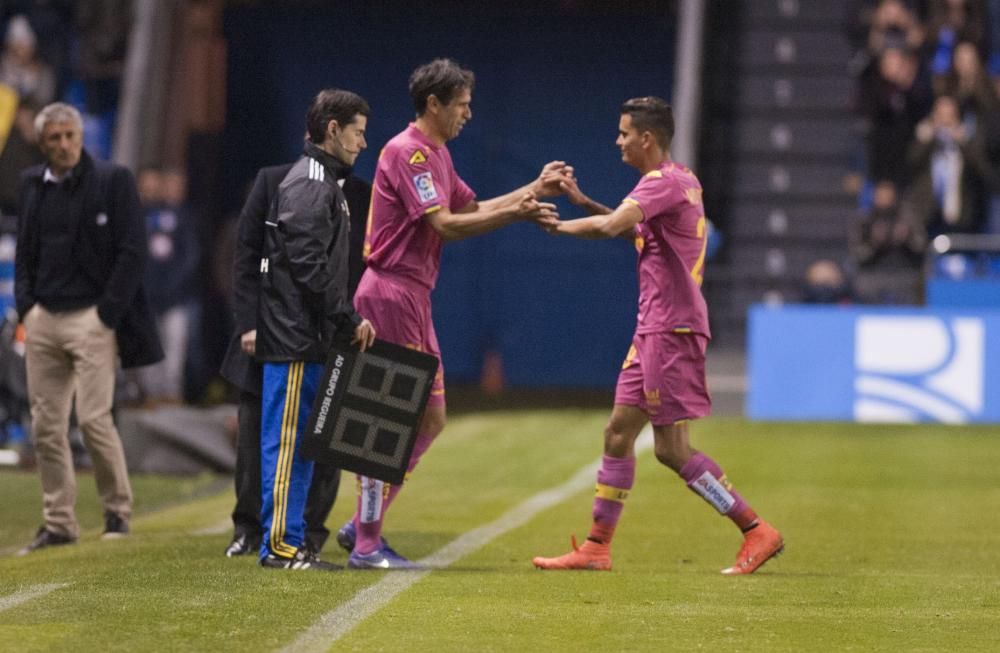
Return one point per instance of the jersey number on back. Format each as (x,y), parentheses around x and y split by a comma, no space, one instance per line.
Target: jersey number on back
(698,271)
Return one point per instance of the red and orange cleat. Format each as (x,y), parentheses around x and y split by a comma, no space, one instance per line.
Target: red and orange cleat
(592,556)
(760,544)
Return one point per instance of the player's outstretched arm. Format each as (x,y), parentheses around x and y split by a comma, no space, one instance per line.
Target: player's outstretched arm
(621,221)
(569,186)
(547,184)
(465,224)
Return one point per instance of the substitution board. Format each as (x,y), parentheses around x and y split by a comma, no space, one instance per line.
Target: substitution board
(367,409)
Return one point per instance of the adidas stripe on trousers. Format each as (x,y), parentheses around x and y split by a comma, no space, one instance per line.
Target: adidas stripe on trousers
(287,397)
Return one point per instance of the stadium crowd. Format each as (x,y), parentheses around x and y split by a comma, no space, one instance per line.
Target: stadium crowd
(928,96)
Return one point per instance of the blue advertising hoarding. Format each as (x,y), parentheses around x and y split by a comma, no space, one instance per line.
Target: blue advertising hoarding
(869,364)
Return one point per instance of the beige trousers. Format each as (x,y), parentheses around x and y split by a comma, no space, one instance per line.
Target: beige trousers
(66,353)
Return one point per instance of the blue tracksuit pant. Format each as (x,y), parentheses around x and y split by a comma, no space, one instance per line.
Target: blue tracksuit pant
(287,398)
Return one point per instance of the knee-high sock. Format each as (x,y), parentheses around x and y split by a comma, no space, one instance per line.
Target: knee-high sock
(375,497)
(706,479)
(614,480)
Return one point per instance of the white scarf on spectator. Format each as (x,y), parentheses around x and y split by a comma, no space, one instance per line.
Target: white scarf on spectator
(946,176)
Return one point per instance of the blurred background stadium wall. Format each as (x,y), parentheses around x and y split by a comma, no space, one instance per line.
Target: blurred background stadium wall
(548,86)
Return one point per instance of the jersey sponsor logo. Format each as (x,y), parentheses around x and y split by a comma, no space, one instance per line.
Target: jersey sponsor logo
(425,186)
(714,492)
(916,369)
(418,157)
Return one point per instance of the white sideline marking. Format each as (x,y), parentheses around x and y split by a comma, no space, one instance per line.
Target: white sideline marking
(33,592)
(218,528)
(341,620)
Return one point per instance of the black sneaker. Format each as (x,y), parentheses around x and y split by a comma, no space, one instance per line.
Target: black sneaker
(242,545)
(45,538)
(302,559)
(115,526)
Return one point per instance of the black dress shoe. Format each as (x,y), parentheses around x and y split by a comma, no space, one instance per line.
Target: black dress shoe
(45,538)
(115,526)
(242,545)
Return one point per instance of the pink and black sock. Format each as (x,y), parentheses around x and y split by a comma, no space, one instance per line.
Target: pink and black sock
(706,479)
(614,480)
(374,499)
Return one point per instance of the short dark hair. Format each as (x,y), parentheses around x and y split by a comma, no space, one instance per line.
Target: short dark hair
(333,104)
(442,78)
(652,114)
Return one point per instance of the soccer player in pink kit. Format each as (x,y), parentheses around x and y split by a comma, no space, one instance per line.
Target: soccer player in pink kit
(663,377)
(418,202)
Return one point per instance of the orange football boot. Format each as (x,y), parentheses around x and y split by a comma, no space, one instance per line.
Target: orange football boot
(592,556)
(760,544)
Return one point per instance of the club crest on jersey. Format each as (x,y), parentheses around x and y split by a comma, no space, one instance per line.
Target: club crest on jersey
(418,157)
(425,186)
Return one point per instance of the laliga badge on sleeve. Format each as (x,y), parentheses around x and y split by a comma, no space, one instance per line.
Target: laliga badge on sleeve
(424,183)
(368,408)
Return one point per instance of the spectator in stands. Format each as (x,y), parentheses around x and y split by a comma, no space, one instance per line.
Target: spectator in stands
(895,99)
(171,278)
(104,27)
(20,67)
(968,82)
(951,172)
(887,244)
(825,283)
(889,232)
(52,22)
(894,25)
(952,21)
(872,26)
(20,151)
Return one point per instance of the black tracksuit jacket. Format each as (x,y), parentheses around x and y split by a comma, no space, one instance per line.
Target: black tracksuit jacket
(304,302)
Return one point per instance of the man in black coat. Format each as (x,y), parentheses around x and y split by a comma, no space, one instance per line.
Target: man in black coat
(240,369)
(81,248)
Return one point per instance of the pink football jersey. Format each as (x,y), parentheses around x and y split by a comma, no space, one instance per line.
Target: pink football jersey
(671,239)
(414,177)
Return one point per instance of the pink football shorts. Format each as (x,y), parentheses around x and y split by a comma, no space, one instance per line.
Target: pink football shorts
(401,314)
(664,375)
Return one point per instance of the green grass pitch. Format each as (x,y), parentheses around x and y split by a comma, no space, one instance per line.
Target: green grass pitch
(891,532)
